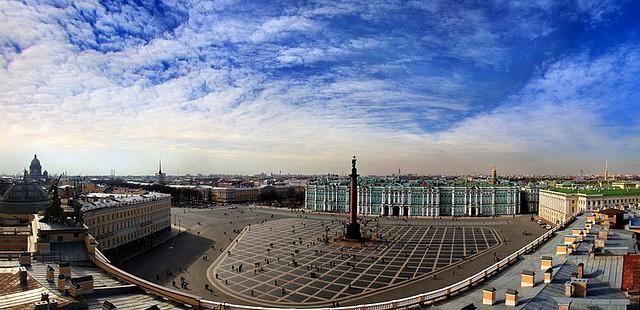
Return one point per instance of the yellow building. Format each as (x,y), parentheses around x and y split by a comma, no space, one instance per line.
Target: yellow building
(235,194)
(118,219)
(557,205)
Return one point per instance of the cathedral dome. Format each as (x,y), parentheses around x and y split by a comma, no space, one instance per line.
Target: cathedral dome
(35,168)
(23,197)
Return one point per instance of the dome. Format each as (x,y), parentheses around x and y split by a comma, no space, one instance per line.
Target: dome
(35,161)
(23,197)
(35,169)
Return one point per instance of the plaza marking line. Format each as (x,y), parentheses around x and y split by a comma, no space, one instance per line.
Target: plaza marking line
(361,274)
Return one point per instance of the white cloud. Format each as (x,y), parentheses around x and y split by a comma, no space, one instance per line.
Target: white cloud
(69,101)
(561,116)
(275,27)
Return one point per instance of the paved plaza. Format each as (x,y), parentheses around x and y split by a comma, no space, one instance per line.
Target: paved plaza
(287,261)
(192,255)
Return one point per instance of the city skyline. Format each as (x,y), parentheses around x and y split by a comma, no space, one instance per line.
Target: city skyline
(231,87)
(606,171)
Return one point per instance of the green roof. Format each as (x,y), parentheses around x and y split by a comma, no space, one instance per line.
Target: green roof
(604,192)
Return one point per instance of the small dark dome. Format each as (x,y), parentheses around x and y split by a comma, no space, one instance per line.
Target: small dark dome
(23,197)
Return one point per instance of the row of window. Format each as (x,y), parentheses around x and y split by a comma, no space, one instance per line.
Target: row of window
(128,237)
(91,219)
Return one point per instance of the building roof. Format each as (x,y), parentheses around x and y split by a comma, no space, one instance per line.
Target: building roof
(23,197)
(94,201)
(631,273)
(77,280)
(611,211)
(598,192)
(24,192)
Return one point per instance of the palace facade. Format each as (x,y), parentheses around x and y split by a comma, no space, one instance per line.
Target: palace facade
(402,200)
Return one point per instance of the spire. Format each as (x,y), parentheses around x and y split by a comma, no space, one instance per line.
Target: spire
(494,176)
(606,170)
(160,166)
(35,156)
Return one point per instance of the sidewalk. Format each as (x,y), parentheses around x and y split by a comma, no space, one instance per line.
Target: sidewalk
(132,250)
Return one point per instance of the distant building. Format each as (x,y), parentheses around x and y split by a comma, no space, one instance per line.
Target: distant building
(248,194)
(530,197)
(35,169)
(625,185)
(558,204)
(235,194)
(401,200)
(160,177)
(114,220)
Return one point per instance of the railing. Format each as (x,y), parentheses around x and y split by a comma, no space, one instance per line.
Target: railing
(100,260)
(423,298)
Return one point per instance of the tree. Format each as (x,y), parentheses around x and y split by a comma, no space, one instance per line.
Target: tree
(77,210)
(54,212)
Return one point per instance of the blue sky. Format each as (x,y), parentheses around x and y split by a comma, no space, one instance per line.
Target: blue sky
(299,86)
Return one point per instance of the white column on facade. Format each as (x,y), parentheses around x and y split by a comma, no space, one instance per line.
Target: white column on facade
(453,201)
(437,199)
(381,202)
(493,202)
(423,202)
(481,198)
(464,201)
(334,194)
(336,203)
(509,203)
(516,201)
(410,200)
(325,197)
(315,199)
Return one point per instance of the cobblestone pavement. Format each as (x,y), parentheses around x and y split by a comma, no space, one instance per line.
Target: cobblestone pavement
(287,261)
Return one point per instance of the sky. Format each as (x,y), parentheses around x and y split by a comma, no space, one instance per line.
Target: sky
(428,87)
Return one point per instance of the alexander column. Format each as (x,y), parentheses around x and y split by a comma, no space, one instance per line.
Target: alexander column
(353,228)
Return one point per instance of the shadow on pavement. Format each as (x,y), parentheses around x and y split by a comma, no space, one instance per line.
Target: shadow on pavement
(165,260)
